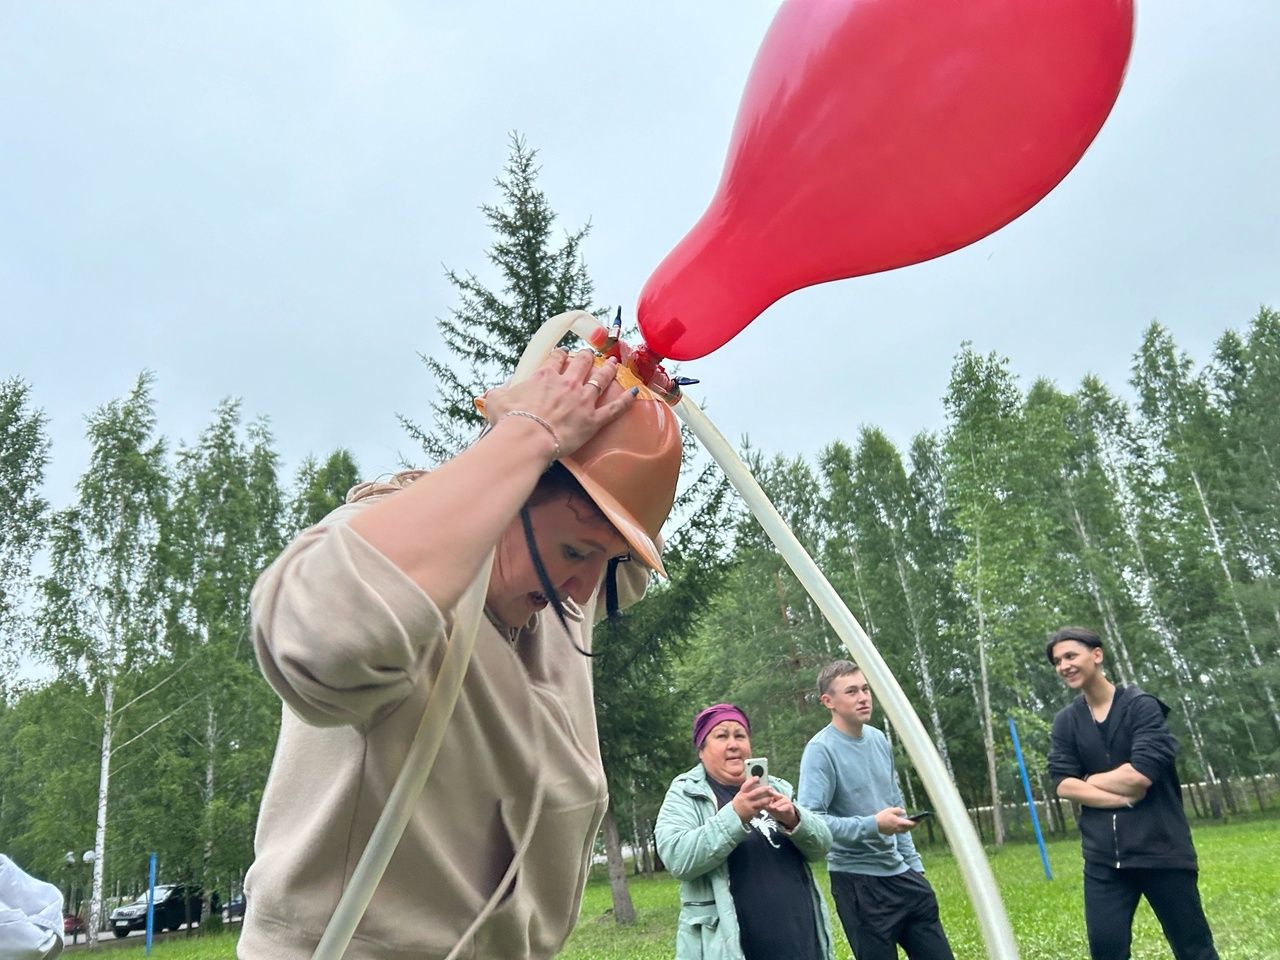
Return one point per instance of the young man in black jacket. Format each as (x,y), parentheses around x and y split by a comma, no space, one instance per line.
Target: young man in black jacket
(1112,753)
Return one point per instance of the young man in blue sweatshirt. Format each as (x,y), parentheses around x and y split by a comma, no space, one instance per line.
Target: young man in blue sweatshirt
(1111,752)
(877,879)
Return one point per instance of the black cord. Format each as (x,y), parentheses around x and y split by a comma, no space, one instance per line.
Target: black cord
(544,578)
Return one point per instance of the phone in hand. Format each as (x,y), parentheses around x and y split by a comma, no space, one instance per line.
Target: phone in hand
(758,767)
(918,816)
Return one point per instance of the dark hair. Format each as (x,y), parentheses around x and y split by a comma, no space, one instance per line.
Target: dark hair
(833,671)
(557,480)
(1078,634)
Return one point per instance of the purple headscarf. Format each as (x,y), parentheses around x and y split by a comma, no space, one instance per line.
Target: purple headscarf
(706,720)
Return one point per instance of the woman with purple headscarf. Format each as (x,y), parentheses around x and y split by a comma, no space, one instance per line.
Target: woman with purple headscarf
(741,849)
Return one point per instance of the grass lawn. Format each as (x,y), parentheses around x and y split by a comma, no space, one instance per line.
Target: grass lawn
(1239,881)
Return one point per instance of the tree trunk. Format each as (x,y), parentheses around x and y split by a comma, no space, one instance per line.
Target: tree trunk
(623,910)
(637,842)
(1221,554)
(922,661)
(1197,799)
(798,697)
(988,730)
(897,774)
(1146,598)
(1109,625)
(210,745)
(1257,791)
(650,849)
(100,831)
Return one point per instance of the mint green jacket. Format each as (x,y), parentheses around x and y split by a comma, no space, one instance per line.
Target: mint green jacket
(695,839)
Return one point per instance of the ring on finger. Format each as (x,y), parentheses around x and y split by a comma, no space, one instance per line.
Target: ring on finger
(593,383)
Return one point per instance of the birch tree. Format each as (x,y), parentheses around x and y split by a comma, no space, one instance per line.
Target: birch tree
(24,452)
(982,406)
(1123,460)
(98,614)
(1186,434)
(871,489)
(225,528)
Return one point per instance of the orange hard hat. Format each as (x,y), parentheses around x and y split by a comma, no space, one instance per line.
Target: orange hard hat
(630,467)
(629,470)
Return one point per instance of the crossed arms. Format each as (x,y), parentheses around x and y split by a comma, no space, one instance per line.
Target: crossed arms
(1151,755)
(1122,787)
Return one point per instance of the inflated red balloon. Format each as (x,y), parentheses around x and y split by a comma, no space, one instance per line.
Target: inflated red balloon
(878,133)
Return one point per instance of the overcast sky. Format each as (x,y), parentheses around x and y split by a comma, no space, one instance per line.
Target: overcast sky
(260,199)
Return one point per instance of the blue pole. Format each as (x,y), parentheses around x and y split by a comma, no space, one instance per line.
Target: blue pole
(1031,803)
(151,901)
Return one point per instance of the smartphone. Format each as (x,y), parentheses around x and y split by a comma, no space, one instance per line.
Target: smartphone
(759,767)
(919,815)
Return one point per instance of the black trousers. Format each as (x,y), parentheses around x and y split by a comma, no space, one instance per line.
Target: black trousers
(1111,897)
(878,913)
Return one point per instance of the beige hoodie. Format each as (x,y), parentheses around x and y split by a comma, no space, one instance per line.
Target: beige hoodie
(351,645)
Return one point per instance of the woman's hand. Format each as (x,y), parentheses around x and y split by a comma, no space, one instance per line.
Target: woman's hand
(752,797)
(783,810)
(574,397)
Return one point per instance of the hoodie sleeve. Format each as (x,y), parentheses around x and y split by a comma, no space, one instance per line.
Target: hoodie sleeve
(1064,760)
(1154,747)
(340,632)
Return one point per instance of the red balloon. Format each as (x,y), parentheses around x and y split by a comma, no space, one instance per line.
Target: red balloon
(878,133)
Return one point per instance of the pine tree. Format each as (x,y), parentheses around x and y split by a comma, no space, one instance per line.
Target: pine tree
(485,336)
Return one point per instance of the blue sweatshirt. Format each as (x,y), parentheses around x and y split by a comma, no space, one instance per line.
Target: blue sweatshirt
(847,781)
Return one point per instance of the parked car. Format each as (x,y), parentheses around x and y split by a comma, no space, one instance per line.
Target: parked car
(233,909)
(174,902)
(72,925)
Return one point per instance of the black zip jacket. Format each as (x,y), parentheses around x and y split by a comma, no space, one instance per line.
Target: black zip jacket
(1154,832)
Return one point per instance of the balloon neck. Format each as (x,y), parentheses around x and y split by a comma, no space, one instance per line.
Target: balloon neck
(641,361)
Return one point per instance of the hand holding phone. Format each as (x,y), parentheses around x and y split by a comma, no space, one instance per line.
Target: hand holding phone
(918,816)
(758,767)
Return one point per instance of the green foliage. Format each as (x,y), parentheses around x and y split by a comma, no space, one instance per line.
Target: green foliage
(24,452)
(486,333)
(320,488)
(641,713)
(225,527)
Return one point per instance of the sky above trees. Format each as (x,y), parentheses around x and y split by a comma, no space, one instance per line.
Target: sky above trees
(261,201)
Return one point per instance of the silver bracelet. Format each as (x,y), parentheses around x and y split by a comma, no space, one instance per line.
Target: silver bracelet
(555,454)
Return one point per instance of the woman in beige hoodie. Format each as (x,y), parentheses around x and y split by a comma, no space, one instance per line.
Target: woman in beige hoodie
(350,623)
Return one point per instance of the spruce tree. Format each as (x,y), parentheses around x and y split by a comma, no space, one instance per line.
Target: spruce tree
(484,336)
(489,328)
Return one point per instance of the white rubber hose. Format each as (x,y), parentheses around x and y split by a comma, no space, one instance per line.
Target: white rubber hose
(983,893)
(413,775)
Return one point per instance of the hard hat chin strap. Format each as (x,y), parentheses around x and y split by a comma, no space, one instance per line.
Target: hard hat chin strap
(611,586)
(548,589)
